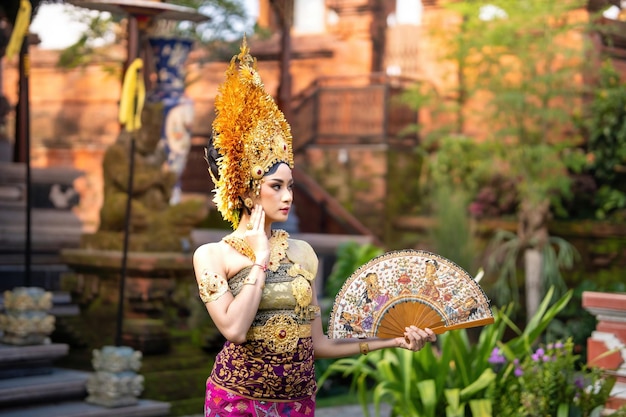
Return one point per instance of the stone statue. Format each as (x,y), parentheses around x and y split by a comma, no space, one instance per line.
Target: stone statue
(155,225)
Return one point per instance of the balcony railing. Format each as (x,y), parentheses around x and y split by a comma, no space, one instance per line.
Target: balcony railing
(355,110)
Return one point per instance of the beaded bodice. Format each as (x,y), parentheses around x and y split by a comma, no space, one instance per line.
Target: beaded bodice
(279,338)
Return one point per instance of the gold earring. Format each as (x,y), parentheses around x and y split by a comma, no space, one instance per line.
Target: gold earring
(248,202)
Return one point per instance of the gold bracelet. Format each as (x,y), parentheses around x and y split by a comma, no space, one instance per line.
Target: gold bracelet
(252,281)
(364,348)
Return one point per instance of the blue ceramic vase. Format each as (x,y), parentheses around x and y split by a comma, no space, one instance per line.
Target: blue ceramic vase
(170,56)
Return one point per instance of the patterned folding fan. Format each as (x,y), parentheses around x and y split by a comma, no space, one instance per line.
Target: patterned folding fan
(404,288)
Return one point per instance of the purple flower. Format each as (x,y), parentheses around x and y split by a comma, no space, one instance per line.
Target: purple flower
(518,372)
(579,381)
(496,357)
(538,355)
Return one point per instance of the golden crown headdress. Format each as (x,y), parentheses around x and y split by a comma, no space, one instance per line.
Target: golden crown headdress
(249,132)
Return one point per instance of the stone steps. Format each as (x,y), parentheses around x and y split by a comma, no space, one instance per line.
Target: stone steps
(59,384)
(16,361)
(30,386)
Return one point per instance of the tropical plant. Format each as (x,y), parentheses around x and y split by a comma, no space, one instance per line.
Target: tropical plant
(505,249)
(456,378)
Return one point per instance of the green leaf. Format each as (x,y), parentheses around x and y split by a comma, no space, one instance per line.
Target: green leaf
(563,410)
(481,408)
(454,407)
(428,396)
(485,379)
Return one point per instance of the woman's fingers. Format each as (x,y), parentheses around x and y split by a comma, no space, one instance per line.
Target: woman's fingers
(255,234)
(416,338)
(255,222)
(260,220)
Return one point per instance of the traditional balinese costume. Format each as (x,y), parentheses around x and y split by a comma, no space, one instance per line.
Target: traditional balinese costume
(272,373)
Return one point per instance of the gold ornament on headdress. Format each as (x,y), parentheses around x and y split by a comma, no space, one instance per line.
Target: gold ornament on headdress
(249,132)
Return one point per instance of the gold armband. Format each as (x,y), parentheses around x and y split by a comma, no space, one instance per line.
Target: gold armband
(364,348)
(211,286)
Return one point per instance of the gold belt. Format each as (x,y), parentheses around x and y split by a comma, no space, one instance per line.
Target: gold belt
(281,333)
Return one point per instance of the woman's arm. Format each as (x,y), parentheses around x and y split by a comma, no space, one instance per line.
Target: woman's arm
(232,315)
(213,264)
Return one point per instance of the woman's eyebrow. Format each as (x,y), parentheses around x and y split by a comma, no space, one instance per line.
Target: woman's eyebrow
(280,181)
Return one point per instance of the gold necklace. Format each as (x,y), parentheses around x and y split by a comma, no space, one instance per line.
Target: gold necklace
(278,247)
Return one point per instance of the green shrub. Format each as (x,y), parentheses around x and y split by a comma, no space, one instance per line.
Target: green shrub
(548,382)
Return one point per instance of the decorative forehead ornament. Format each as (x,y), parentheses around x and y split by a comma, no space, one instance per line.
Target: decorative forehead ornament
(249,132)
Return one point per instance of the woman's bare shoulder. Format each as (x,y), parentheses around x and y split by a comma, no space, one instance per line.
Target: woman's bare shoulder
(210,256)
(208,249)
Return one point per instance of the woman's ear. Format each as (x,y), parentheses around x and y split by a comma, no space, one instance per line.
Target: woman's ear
(247,203)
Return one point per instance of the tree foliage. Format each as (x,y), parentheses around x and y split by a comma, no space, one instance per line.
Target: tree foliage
(219,35)
(606,147)
(522,60)
(519,83)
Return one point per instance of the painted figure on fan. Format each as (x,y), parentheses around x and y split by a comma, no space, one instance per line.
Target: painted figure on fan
(373,292)
(430,289)
(257,283)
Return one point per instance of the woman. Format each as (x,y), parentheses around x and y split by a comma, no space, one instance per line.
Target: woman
(256,283)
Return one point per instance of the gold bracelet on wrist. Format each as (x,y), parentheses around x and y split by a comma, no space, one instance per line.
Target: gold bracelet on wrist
(364,348)
(252,281)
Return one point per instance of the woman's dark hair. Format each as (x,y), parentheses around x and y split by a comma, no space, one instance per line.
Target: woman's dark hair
(212,156)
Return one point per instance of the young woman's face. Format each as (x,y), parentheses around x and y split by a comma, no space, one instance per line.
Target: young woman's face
(277,194)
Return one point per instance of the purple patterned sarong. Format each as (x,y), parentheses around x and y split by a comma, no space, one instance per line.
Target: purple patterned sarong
(222,403)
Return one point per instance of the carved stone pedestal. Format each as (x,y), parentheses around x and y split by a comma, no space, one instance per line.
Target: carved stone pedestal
(150,282)
(150,336)
(115,382)
(26,320)
(609,336)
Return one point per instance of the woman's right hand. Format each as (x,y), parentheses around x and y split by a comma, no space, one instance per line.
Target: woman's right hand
(256,236)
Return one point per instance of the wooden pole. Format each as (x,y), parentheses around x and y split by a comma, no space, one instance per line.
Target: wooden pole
(133,52)
(284,11)
(21,149)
